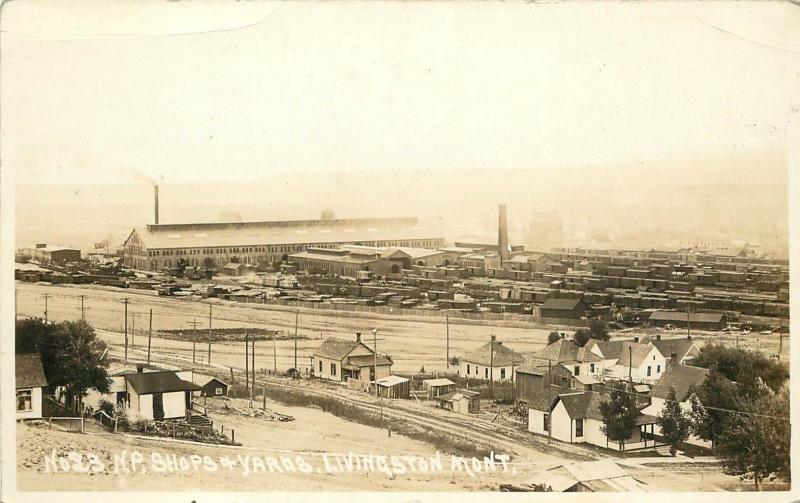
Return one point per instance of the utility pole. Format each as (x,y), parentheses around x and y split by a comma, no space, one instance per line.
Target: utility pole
(296,318)
(274,355)
(125,301)
(209,334)
(780,341)
(375,355)
(491,365)
(83,312)
(253,368)
(630,364)
(246,362)
(549,401)
(133,330)
(194,340)
(689,322)
(46,296)
(447,335)
(149,336)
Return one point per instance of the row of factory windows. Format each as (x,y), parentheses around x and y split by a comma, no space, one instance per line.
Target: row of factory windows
(135,250)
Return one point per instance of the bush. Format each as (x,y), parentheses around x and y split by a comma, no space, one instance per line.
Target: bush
(553,337)
(107,407)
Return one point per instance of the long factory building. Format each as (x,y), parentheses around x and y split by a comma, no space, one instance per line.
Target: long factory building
(213,245)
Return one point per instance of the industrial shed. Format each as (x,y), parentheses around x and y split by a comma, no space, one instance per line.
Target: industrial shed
(701,321)
(563,308)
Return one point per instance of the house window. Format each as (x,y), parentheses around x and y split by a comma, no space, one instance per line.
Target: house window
(591,368)
(658,369)
(467,368)
(24,400)
(577,370)
(333,369)
(218,391)
(486,372)
(546,422)
(579,427)
(648,370)
(320,366)
(502,373)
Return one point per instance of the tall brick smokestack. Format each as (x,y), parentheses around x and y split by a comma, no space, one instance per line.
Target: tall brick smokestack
(502,234)
(156,202)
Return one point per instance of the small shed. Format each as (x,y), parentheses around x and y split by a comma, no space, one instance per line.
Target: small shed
(394,387)
(460,401)
(436,387)
(210,386)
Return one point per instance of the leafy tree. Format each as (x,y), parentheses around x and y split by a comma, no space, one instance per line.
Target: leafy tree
(756,443)
(716,393)
(674,423)
(553,337)
(619,416)
(71,354)
(581,337)
(748,368)
(598,330)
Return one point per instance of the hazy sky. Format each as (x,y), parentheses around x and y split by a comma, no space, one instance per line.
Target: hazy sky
(116,91)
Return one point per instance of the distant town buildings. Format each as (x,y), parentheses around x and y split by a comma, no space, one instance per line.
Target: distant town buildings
(50,254)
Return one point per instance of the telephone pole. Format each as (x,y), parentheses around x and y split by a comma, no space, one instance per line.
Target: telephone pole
(447,336)
(274,355)
(375,350)
(194,339)
(246,362)
(491,365)
(133,330)
(549,402)
(83,312)
(253,369)
(296,318)
(149,336)
(209,335)
(125,301)
(46,296)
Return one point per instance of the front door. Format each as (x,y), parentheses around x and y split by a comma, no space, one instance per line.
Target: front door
(188,395)
(158,406)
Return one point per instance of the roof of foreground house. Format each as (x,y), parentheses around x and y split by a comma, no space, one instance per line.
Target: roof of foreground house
(147,383)
(680,377)
(494,353)
(335,348)
(28,371)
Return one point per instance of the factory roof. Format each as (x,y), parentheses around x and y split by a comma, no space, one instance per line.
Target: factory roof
(346,258)
(682,316)
(199,235)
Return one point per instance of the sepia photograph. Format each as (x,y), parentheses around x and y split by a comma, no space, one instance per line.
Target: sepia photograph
(423,251)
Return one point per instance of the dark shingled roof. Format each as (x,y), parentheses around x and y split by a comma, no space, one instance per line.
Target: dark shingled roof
(587,405)
(680,347)
(368,360)
(680,377)
(561,351)
(335,349)
(29,371)
(502,356)
(147,383)
(561,304)
(544,401)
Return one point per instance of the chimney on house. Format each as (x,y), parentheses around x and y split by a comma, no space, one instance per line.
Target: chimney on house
(636,339)
(673,356)
(139,368)
(502,234)
(358,336)
(658,337)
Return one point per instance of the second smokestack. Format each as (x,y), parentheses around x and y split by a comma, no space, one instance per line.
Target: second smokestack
(156,202)
(502,234)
